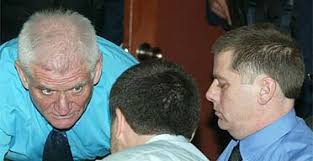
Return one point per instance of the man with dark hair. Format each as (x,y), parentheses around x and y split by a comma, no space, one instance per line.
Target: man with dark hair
(155,112)
(258,74)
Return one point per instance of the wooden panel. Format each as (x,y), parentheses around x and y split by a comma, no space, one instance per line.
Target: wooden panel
(140,23)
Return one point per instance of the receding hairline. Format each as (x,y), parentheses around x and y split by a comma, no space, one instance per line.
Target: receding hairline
(59,30)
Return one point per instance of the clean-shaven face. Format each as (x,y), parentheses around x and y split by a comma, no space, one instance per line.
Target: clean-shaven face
(234,102)
(61,98)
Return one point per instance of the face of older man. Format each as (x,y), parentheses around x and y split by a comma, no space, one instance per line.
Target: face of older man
(61,98)
(60,85)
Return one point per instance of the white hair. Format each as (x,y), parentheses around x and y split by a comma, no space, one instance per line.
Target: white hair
(65,31)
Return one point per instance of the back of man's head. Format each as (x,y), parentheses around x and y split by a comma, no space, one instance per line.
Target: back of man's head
(157,97)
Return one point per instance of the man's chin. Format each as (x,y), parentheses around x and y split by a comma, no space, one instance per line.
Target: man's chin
(63,127)
(221,124)
(63,124)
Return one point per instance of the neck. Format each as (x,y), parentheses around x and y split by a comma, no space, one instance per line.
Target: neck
(136,139)
(267,114)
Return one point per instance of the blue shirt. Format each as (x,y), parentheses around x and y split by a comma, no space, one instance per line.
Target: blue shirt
(287,139)
(23,130)
(162,147)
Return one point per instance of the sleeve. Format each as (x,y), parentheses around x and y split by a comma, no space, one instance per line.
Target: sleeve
(4,143)
(6,130)
(7,57)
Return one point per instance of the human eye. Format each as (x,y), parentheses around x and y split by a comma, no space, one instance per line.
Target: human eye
(222,84)
(77,89)
(46,91)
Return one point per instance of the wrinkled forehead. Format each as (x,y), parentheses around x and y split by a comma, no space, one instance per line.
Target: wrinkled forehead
(48,77)
(58,57)
(48,72)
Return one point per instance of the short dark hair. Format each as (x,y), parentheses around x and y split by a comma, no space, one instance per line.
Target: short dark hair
(157,97)
(262,49)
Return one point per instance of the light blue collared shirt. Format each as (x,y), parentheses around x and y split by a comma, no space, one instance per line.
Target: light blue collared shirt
(162,147)
(23,131)
(287,139)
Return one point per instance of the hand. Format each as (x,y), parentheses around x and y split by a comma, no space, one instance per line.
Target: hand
(220,8)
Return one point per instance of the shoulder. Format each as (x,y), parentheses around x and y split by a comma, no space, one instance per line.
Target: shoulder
(12,90)
(16,123)
(144,152)
(226,152)
(301,133)
(114,55)
(298,143)
(156,151)
(17,111)
(114,62)
(8,50)
(14,99)
(8,55)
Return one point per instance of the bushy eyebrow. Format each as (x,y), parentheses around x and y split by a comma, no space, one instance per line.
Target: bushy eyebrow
(41,87)
(81,84)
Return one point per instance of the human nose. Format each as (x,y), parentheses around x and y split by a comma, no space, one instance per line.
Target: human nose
(63,105)
(212,94)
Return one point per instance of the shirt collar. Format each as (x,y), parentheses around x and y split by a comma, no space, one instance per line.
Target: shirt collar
(179,138)
(251,145)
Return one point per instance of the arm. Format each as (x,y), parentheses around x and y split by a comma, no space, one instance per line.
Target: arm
(8,95)
(5,140)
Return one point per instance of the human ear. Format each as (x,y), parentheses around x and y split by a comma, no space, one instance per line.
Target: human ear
(120,123)
(22,75)
(267,89)
(98,70)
